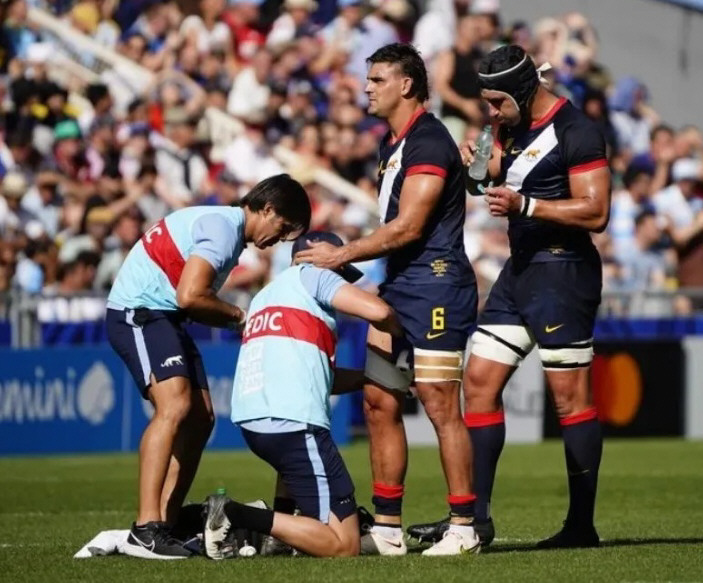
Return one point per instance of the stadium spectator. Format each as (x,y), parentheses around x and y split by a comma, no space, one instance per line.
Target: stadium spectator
(626,205)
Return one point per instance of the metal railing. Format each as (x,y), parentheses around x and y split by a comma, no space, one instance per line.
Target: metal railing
(22,311)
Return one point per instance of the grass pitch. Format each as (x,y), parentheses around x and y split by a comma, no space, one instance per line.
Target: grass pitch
(650,517)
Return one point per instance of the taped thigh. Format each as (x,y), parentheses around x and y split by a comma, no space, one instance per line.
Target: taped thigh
(507,344)
(567,356)
(386,374)
(434,366)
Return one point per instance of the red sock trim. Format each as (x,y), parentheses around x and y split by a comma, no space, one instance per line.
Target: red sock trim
(586,415)
(388,491)
(460,499)
(484,419)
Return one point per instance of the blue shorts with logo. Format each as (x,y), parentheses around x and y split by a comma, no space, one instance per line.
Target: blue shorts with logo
(434,316)
(312,469)
(556,300)
(155,342)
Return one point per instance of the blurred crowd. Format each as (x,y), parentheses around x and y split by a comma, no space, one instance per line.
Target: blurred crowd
(87,166)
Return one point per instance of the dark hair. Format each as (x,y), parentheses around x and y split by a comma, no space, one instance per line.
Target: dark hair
(661,128)
(643,215)
(287,197)
(95,92)
(411,65)
(633,172)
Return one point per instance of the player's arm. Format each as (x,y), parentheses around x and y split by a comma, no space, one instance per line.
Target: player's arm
(588,207)
(347,380)
(418,199)
(195,295)
(354,301)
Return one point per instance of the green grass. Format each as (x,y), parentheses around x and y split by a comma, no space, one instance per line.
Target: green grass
(650,516)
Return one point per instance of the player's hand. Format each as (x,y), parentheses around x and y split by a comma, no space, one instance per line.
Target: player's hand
(502,201)
(467,150)
(321,254)
(239,319)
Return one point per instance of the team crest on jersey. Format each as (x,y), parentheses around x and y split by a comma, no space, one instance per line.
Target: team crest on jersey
(532,154)
(393,164)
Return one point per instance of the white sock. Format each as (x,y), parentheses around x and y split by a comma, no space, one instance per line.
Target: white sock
(389,532)
(463,530)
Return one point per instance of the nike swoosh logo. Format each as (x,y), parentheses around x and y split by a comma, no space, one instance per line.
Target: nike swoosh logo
(397,545)
(515,151)
(550,329)
(149,547)
(433,335)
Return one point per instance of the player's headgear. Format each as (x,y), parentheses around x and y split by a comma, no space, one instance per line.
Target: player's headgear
(348,272)
(510,70)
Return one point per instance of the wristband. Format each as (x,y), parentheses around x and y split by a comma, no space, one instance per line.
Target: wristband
(527,207)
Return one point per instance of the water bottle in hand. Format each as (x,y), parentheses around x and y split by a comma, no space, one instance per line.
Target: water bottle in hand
(482,154)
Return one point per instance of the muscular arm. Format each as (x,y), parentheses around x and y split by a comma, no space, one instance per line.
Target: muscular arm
(588,207)
(418,199)
(357,302)
(196,296)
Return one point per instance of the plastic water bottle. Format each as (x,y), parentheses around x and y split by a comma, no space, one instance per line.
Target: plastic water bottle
(484,147)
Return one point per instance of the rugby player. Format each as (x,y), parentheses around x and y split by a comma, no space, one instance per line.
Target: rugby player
(282,384)
(172,274)
(550,162)
(431,286)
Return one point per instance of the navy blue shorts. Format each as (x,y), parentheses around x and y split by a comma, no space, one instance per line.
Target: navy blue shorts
(154,341)
(557,301)
(433,316)
(312,469)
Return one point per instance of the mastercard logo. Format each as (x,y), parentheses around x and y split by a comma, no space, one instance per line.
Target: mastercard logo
(617,388)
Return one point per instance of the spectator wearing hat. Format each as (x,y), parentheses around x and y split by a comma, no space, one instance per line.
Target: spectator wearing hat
(13,217)
(183,170)
(69,160)
(294,22)
(682,204)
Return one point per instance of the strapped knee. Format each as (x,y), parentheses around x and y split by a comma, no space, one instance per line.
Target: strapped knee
(502,343)
(437,366)
(570,356)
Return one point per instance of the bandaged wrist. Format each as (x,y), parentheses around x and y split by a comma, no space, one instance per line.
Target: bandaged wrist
(527,207)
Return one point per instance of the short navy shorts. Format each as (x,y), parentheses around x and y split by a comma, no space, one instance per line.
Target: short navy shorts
(312,469)
(557,301)
(433,316)
(154,341)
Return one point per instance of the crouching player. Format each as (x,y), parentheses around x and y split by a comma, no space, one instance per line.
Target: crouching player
(282,384)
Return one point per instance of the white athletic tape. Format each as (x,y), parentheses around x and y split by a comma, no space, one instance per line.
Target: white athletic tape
(577,355)
(438,366)
(502,343)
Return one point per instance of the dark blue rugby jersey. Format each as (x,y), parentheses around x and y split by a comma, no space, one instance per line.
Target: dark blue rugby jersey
(537,163)
(425,147)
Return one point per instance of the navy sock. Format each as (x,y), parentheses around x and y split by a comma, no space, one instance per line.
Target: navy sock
(284,505)
(388,500)
(583,446)
(487,433)
(462,506)
(243,516)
